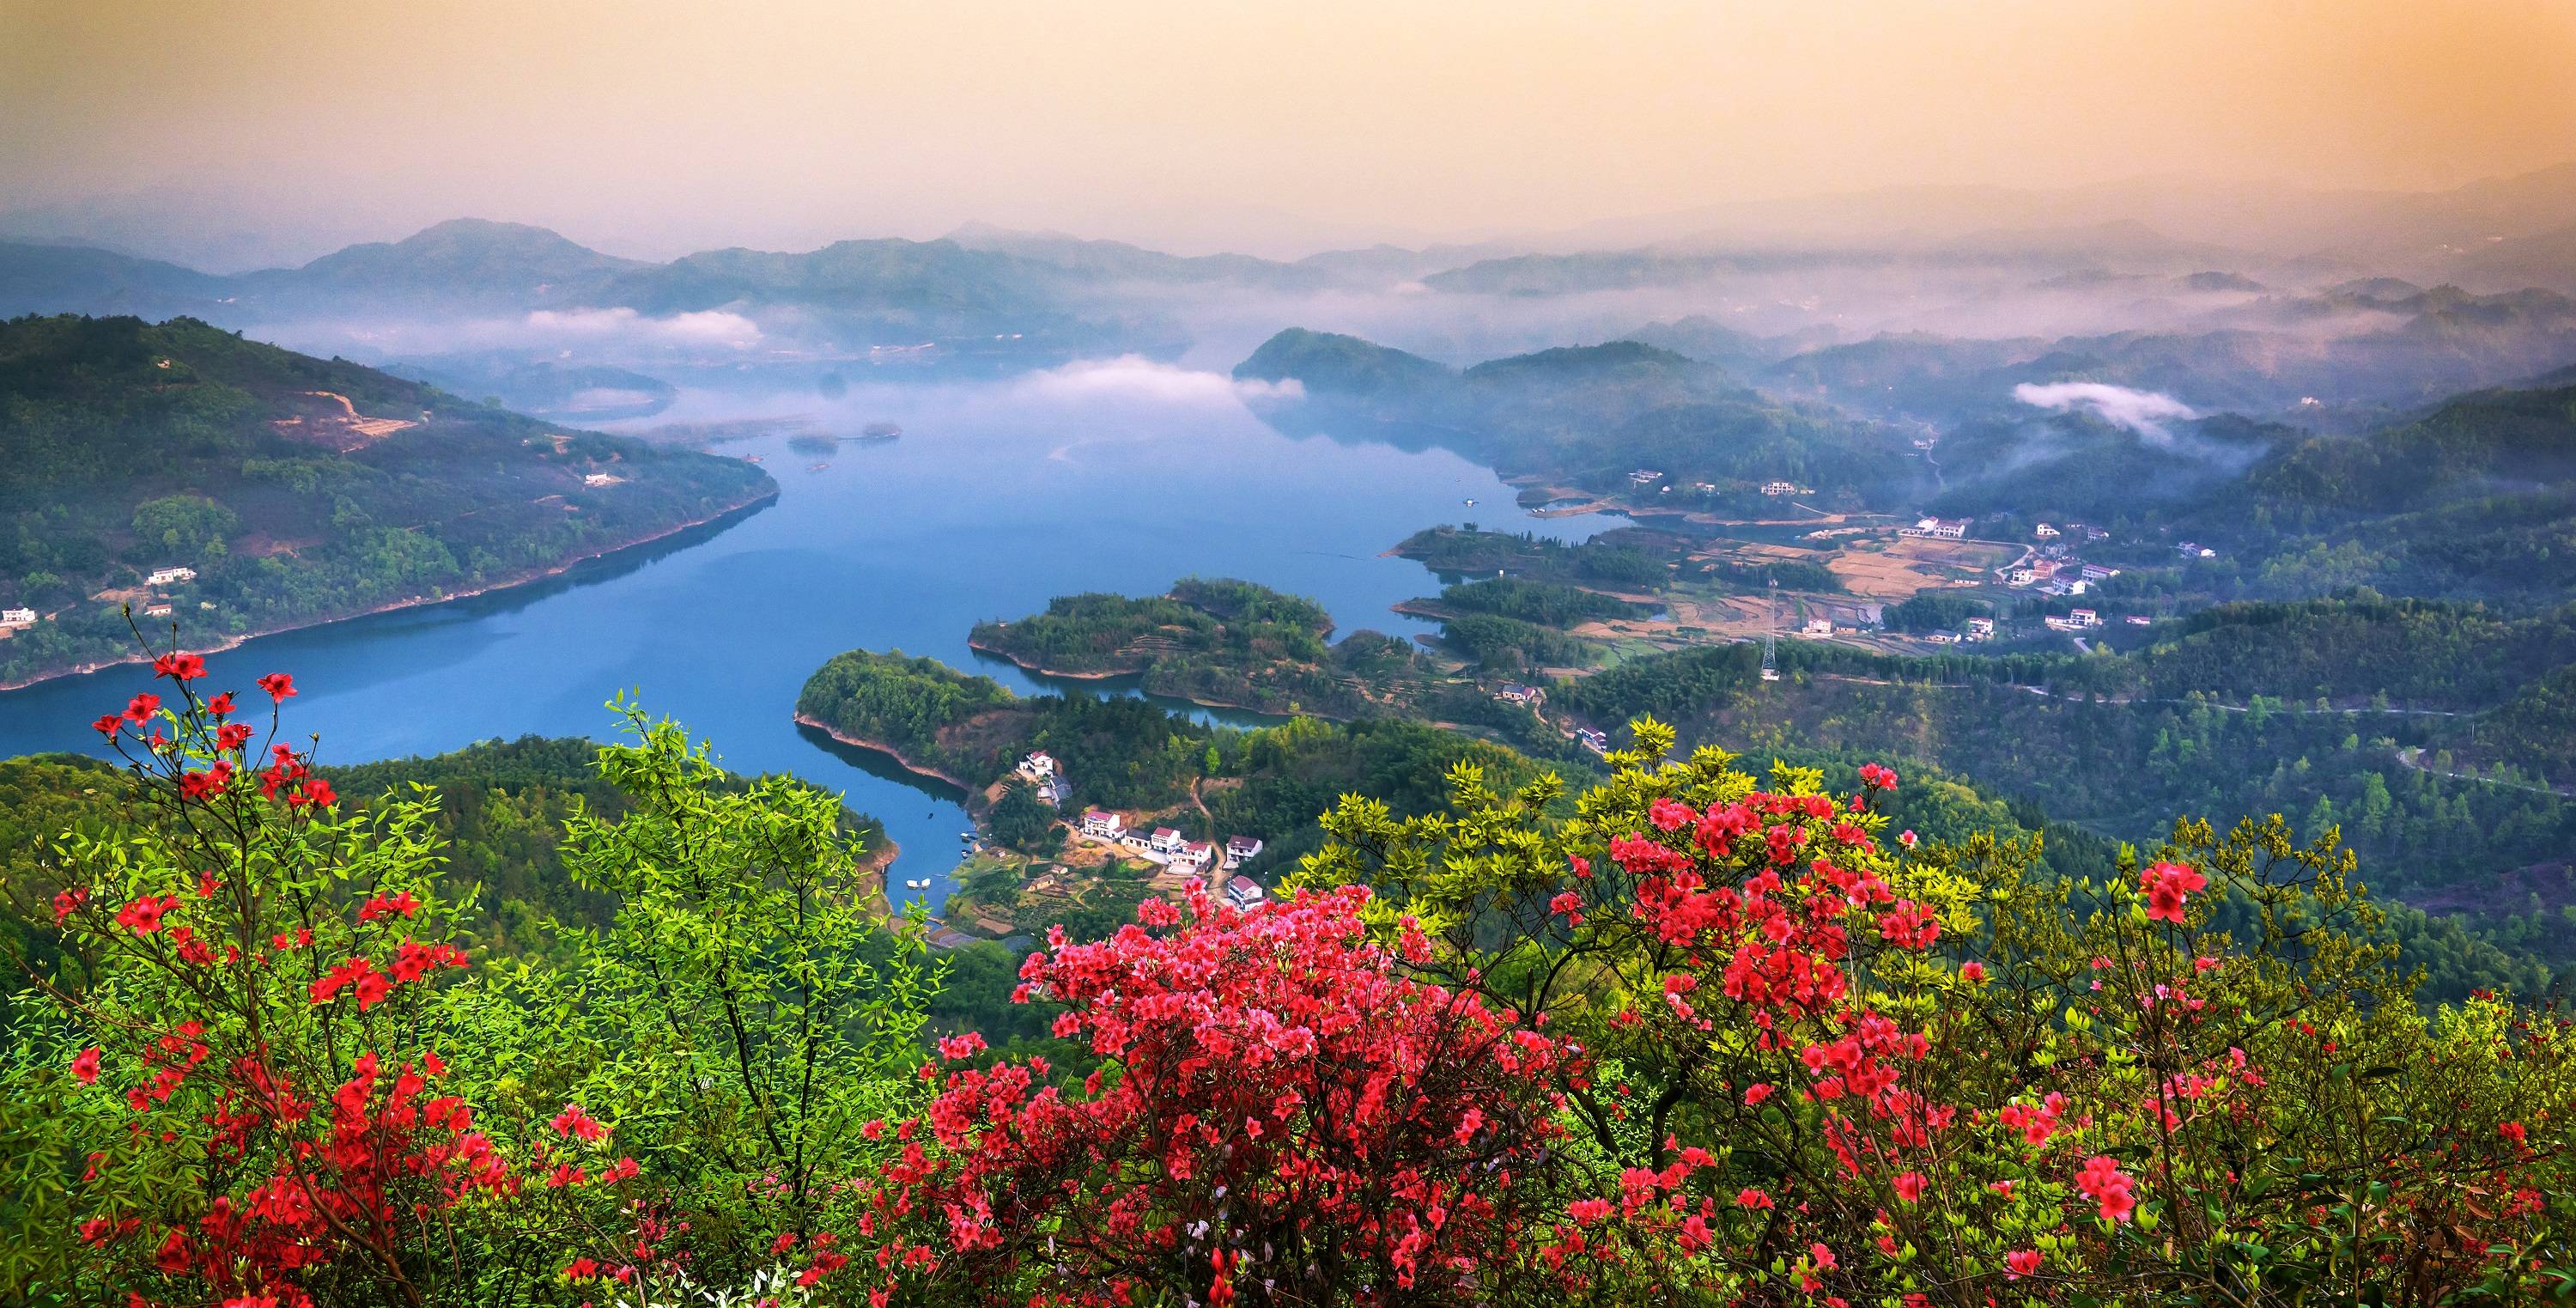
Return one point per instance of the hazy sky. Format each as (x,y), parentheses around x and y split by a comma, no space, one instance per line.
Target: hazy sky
(649,128)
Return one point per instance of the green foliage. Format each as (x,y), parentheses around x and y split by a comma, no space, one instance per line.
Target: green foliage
(1933,611)
(184,524)
(1507,645)
(1022,821)
(742,1015)
(1547,603)
(1220,642)
(903,704)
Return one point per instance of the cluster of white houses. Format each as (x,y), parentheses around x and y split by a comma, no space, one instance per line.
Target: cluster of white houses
(1977,629)
(2058,577)
(1938,528)
(1181,856)
(1045,779)
(1166,845)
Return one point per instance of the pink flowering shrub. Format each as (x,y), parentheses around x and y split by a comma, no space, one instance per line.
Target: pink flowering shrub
(1282,1113)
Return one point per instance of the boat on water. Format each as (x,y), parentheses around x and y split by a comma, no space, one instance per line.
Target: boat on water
(880,431)
(1471,501)
(818,467)
(751,458)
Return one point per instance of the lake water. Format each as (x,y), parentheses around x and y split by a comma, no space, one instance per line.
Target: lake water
(1117,476)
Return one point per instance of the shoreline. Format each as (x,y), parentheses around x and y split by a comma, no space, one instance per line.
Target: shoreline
(1040,669)
(879,860)
(876,747)
(422,601)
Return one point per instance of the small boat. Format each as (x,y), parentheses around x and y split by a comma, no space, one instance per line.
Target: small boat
(1471,502)
(880,431)
(818,467)
(751,458)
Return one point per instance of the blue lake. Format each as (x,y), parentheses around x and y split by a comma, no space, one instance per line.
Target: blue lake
(1118,476)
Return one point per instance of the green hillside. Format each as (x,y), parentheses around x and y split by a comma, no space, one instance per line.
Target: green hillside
(298,490)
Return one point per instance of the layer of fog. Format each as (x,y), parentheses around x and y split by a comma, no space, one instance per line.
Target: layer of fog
(2146,413)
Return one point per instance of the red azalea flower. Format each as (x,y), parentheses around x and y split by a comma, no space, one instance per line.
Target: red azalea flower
(278,685)
(574,1122)
(143,916)
(179,667)
(220,705)
(109,724)
(85,1066)
(141,708)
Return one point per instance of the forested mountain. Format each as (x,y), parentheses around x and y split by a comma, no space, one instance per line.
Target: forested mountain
(285,489)
(2380,342)
(462,264)
(1588,416)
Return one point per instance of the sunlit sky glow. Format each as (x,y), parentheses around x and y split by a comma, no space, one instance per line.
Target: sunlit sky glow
(650,128)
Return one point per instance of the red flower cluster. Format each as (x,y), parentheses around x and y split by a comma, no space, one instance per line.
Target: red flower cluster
(2104,1183)
(1280,1082)
(2167,884)
(179,667)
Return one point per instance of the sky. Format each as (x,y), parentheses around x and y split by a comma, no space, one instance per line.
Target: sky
(651,128)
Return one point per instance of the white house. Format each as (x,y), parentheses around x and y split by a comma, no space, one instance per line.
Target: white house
(2023,575)
(1194,856)
(2096,572)
(2085,617)
(170,576)
(1166,842)
(600,479)
(17,617)
(1817,627)
(1981,628)
(1593,738)
(1644,477)
(1783,488)
(2139,620)
(158,609)
(1038,766)
(1938,528)
(2044,532)
(1240,849)
(1514,692)
(1104,824)
(1244,893)
(1943,637)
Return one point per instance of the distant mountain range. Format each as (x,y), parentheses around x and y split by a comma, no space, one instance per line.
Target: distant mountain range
(1967,261)
(2431,234)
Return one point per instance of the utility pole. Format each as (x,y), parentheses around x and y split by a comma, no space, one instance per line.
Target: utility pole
(1770,628)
